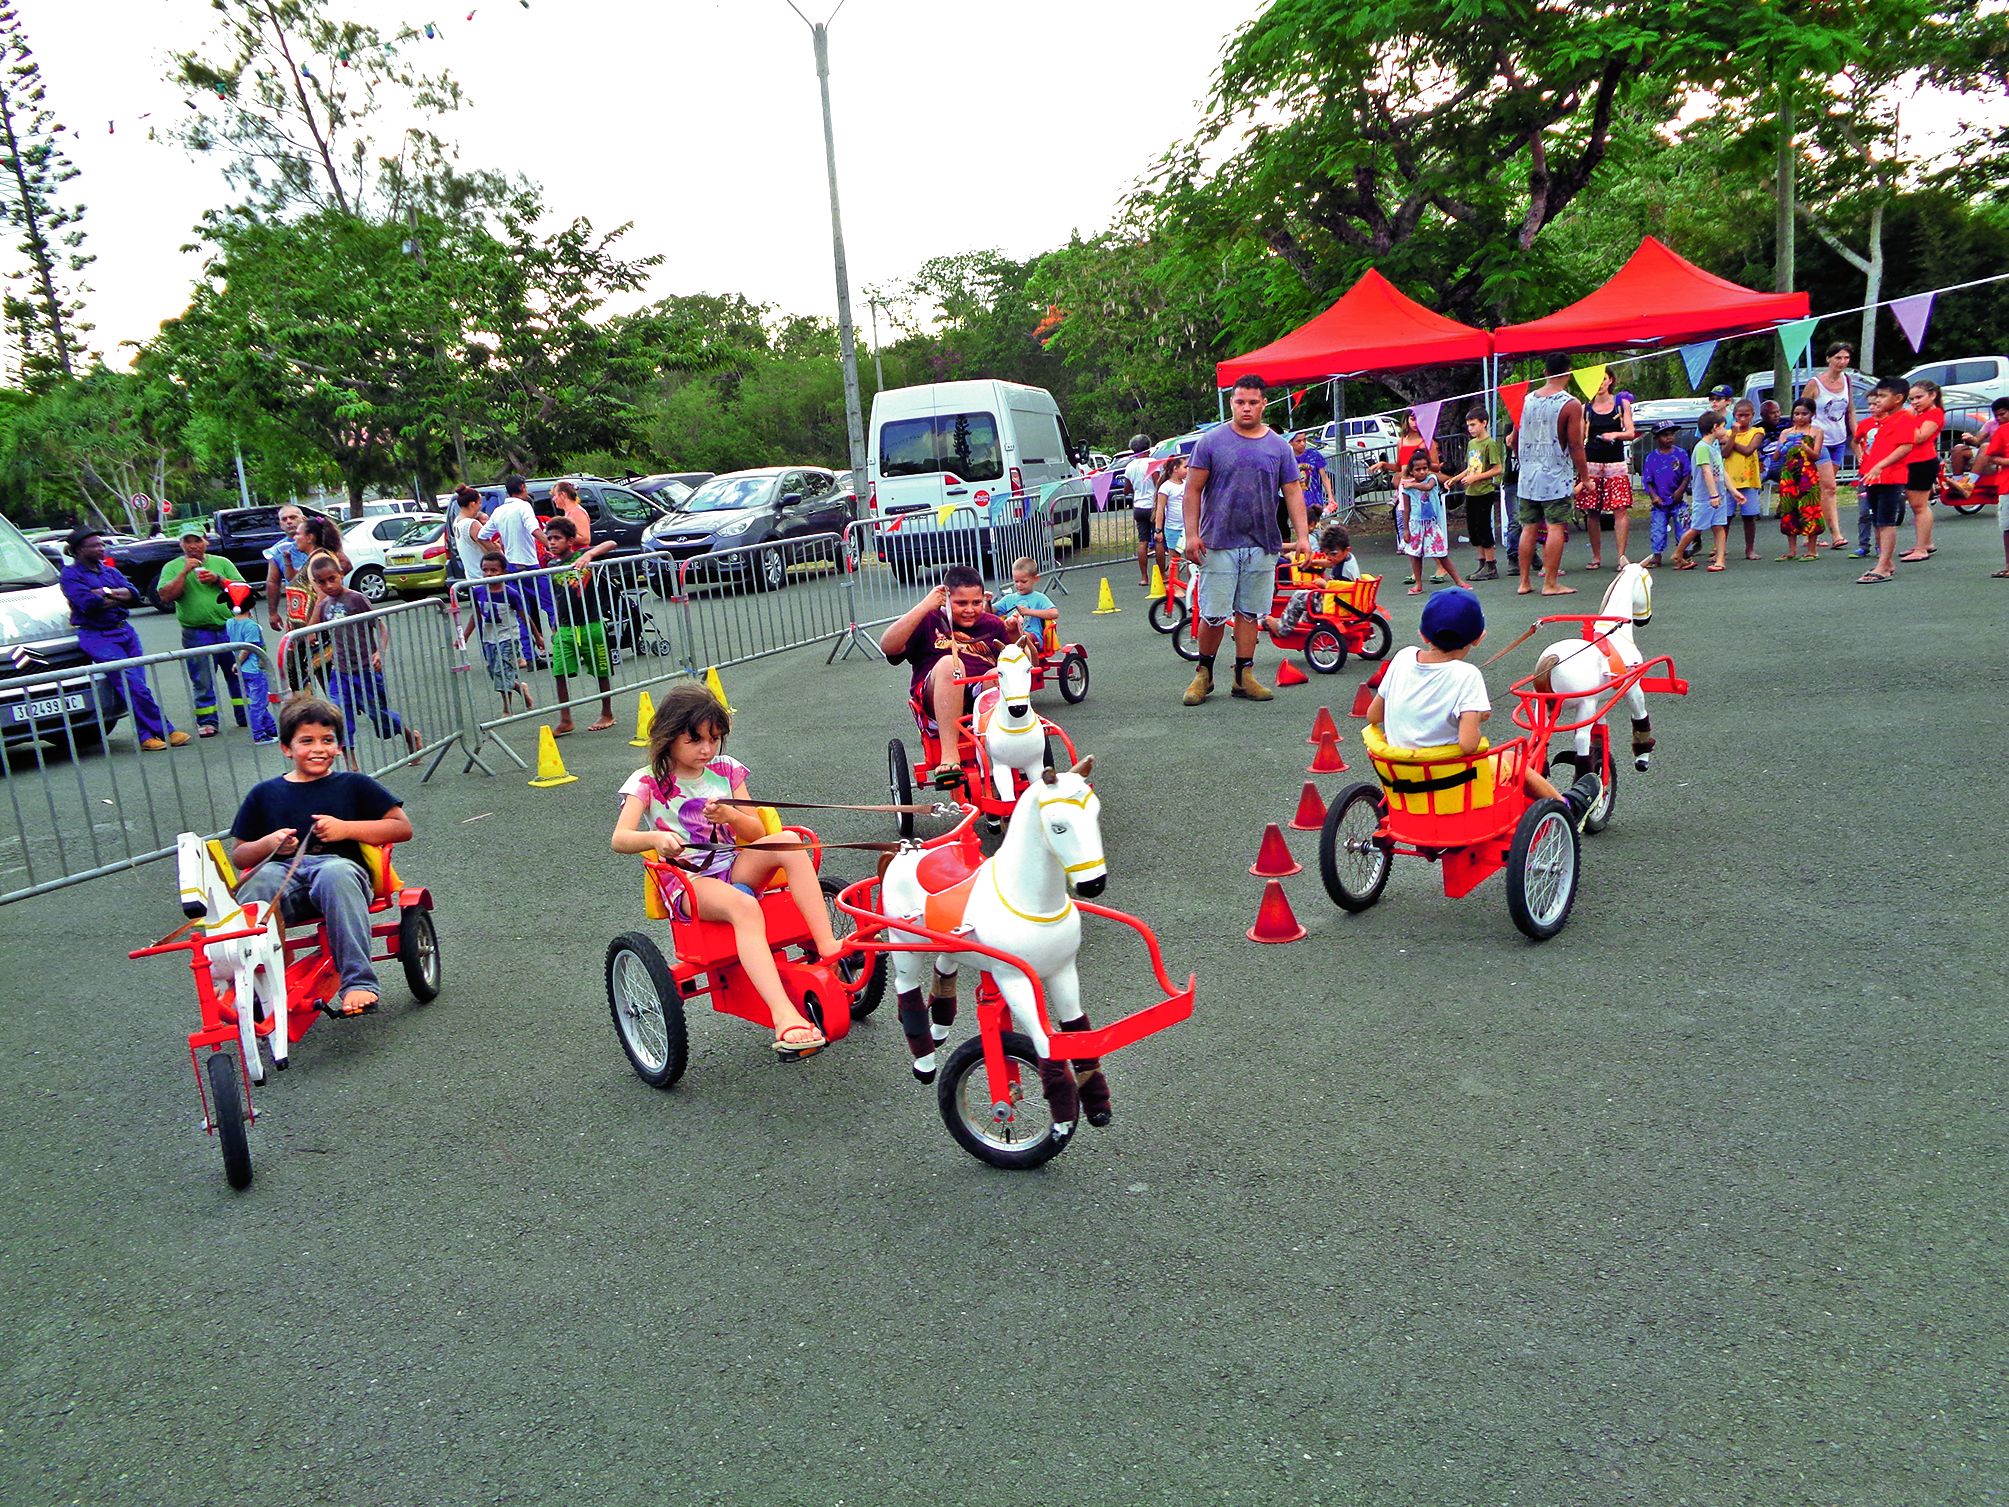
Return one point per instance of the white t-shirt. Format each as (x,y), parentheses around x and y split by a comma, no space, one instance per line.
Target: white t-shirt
(516,526)
(1422,703)
(463,543)
(1142,487)
(1174,494)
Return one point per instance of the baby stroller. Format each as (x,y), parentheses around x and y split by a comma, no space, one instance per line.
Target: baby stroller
(632,627)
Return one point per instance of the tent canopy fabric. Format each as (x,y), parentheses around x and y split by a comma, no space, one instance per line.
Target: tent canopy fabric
(1656,298)
(1373,327)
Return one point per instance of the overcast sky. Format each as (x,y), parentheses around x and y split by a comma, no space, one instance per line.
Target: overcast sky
(959,126)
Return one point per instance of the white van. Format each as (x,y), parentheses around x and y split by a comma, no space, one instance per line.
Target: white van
(992,447)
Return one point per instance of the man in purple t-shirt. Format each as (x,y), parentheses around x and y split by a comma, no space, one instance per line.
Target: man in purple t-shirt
(1237,472)
(947,635)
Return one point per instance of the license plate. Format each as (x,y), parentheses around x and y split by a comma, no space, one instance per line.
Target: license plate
(49,708)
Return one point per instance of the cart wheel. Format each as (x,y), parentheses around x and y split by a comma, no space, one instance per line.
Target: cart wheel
(1324,650)
(226,1117)
(418,951)
(1542,870)
(1186,639)
(1164,614)
(900,781)
(1026,1138)
(1600,815)
(1352,860)
(1073,678)
(648,1010)
(864,973)
(1380,634)
(1968,509)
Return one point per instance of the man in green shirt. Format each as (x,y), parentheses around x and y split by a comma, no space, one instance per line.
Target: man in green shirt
(195,587)
(1485,459)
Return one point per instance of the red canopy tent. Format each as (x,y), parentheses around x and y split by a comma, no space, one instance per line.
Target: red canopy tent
(1373,327)
(1656,298)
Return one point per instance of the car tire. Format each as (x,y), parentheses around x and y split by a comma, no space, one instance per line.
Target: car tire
(370,583)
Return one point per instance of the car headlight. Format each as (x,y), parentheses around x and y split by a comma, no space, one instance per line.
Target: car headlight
(738,526)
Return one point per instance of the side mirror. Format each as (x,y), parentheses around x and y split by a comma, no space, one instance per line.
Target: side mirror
(791,499)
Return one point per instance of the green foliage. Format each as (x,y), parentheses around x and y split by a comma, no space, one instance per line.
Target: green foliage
(42,310)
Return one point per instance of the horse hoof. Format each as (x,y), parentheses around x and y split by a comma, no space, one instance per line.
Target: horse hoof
(924,1075)
(1641,761)
(1102,1118)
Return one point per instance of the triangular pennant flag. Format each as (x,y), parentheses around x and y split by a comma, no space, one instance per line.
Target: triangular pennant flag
(1298,396)
(1912,314)
(1794,337)
(1590,378)
(1696,357)
(1099,484)
(1512,396)
(1426,416)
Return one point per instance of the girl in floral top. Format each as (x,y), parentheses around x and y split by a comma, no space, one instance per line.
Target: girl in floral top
(679,803)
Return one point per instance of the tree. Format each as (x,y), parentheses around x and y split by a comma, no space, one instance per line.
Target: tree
(295,98)
(44,310)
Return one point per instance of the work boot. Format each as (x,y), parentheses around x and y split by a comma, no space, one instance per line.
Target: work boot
(1582,798)
(177,738)
(1248,688)
(1202,686)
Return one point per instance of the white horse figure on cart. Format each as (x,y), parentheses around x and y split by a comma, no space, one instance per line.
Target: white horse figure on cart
(253,967)
(1018,902)
(1581,668)
(1013,735)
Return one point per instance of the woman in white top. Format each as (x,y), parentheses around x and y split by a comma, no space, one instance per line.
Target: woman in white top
(1168,521)
(466,530)
(1834,410)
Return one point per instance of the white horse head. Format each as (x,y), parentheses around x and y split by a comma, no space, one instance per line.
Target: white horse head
(1014,685)
(1012,735)
(1066,813)
(1630,594)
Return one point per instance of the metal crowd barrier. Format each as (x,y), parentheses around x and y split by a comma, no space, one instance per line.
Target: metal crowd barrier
(393,672)
(85,800)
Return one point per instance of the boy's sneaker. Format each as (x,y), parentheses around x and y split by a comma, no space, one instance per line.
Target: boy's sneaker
(1201,688)
(1859,554)
(1582,798)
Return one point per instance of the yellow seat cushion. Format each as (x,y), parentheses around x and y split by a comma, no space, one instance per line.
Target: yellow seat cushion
(653,905)
(384,881)
(1437,781)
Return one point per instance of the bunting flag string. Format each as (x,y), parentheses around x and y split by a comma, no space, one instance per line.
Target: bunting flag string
(1590,378)
(1696,357)
(1425,415)
(1512,396)
(1793,337)
(1099,484)
(1912,314)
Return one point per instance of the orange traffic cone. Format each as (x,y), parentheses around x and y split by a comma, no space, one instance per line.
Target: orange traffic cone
(1321,725)
(1275,922)
(1327,759)
(1273,859)
(1290,674)
(1310,810)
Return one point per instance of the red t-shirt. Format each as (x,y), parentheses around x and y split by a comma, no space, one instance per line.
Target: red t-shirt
(1990,485)
(1892,430)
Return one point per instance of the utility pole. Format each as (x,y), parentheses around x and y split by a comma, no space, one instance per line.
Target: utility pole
(1786,166)
(878,366)
(847,343)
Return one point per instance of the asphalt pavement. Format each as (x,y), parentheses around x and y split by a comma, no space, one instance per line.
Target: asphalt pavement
(1700,1202)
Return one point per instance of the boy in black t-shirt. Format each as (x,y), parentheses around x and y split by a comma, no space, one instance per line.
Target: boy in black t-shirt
(338,811)
(947,635)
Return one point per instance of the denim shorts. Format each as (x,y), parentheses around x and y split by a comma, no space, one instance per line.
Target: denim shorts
(1885,502)
(1745,502)
(1236,583)
(1704,515)
(1836,454)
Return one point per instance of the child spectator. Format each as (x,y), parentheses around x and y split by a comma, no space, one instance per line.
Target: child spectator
(1420,530)
(356,656)
(1800,449)
(496,610)
(1922,471)
(935,636)
(1892,432)
(692,799)
(1335,547)
(1991,478)
(1169,521)
(1434,697)
(1711,506)
(1026,609)
(1957,476)
(1743,473)
(1313,471)
(338,811)
(1485,460)
(578,616)
(243,630)
(1665,473)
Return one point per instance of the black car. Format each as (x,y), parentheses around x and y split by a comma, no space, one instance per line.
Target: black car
(670,488)
(728,515)
(616,511)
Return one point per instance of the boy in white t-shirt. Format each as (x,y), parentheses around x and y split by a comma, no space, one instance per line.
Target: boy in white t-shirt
(1434,696)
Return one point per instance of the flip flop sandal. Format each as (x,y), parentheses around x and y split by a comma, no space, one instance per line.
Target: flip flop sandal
(1684,563)
(1914,558)
(1998,575)
(1871,578)
(336,1010)
(798,1042)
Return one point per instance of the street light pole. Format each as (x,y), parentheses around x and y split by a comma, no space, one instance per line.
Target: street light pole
(847,344)
(878,366)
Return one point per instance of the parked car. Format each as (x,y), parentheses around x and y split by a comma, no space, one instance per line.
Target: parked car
(239,535)
(368,545)
(417,561)
(615,510)
(769,505)
(670,487)
(383,507)
(61,705)
(1980,379)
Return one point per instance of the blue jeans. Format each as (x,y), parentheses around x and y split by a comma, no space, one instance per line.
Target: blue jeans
(1236,583)
(1668,523)
(537,596)
(362,692)
(258,702)
(338,891)
(202,675)
(107,644)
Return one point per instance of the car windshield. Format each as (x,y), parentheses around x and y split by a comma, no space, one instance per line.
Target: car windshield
(728,494)
(420,531)
(21,564)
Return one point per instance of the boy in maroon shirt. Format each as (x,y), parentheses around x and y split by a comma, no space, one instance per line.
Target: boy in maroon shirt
(1881,483)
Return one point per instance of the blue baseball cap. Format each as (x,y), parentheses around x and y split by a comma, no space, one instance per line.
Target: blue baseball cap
(1453,619)
(1722,390)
